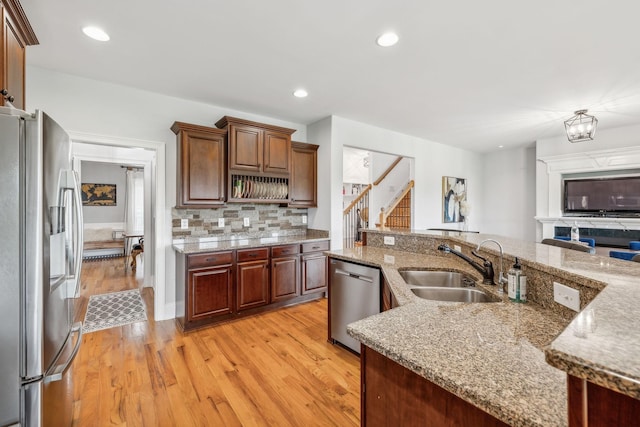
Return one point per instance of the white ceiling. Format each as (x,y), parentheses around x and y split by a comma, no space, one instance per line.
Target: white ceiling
(473,74)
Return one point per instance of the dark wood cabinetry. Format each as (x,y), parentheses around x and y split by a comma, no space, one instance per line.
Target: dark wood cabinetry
(594,405)
(303,180)
(285,272)
(257,147)
(388,300)
(204,288)
(216,286)
(314,264)
(394,395)
(15,35)
(201,173)
(252,277)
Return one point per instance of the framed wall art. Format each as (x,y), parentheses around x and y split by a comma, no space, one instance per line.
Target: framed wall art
(454,196)
(98,194)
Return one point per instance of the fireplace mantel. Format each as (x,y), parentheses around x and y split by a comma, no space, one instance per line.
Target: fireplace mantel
(590,222)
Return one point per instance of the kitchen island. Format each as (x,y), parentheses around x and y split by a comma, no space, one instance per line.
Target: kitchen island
(510,360)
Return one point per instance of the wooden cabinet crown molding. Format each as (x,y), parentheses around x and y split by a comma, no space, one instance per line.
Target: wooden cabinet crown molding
(227,120)
(19,18)
(181,126)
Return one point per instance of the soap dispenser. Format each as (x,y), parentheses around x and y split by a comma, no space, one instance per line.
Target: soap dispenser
(517,283)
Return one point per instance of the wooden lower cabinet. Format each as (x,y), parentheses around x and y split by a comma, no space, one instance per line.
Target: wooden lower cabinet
(314,267)
(285,272)
(392,395)
(218,286)
(596,406)
(388,300)
(252,278)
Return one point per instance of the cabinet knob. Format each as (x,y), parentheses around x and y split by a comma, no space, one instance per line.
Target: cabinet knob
(3,92)
(9,98)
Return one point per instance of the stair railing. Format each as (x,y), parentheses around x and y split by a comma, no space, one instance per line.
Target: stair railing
(386,213)
(355,217)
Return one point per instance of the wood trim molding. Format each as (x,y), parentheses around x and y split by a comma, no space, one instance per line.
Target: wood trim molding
(19,19)
(389,169)
(180,126)
(227,120)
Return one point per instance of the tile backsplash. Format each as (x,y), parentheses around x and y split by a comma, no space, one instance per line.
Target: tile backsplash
(264,221)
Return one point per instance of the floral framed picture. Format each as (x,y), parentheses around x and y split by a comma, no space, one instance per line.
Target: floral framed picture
(98,194)
(454,199)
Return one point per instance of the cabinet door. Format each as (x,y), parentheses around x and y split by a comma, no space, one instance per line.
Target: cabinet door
(14,63)
(277,152)
(285,282)
(303,181)
(253,284)
(245,148)
(210,292)
(314,273)
(201,167)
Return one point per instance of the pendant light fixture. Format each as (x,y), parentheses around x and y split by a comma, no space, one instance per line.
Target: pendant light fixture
(581,127)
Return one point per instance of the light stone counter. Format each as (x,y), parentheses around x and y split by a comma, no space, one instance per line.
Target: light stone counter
(493,354)
(194,245)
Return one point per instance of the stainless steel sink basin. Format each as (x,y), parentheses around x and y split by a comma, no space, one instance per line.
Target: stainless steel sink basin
(448,279)
(453,294)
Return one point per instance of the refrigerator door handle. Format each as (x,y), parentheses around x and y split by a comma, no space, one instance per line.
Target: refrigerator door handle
(79,233)
(59,371)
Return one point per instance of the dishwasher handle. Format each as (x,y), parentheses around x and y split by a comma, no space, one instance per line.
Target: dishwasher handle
(354,276)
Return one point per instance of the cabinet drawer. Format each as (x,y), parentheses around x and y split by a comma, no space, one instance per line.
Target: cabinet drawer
(286,250)
(209,259)
(315,246)
(252,254)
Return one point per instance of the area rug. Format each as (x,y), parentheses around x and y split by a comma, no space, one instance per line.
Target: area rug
(115,309)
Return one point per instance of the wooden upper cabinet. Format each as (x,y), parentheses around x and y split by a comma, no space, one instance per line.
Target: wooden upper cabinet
(303,186)
(201,159)
(257,148)
(277,152)
(15,35)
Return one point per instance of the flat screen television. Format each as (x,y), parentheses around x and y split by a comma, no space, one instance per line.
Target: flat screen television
(618,196)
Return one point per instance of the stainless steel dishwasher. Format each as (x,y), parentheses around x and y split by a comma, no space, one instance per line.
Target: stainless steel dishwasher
(354,293)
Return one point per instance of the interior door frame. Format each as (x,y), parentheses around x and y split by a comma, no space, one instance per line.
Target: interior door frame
(154,173)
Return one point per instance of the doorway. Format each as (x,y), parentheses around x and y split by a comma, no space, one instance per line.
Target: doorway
(150,156)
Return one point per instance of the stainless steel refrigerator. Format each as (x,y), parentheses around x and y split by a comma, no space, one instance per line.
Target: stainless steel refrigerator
(40,261)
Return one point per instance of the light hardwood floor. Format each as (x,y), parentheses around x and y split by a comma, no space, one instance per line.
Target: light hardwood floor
(274,369)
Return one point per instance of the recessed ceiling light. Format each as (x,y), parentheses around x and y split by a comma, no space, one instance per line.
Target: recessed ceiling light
(500,146)
(96,33)
(300,93)
(387,39)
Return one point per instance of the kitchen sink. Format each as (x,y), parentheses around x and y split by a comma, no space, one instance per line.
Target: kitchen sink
(453,294)
(448,279)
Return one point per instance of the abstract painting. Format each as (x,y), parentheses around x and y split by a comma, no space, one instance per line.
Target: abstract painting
(454,193)
(98,194)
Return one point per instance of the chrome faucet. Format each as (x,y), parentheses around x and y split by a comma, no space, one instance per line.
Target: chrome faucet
(486,268)
(502,280)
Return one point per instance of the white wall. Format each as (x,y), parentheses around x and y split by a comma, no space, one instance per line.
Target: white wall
(104,173)
(508,207)
(433,161)
(94,107)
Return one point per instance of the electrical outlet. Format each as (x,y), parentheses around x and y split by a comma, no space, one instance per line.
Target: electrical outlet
(457,248)
(220,222)
(304,219)
(566,296)
(184,223)
(389,240)
(246,222)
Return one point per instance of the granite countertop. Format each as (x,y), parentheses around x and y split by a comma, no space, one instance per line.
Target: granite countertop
(193,245)
(490,354)
(607,351)
(502,357)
